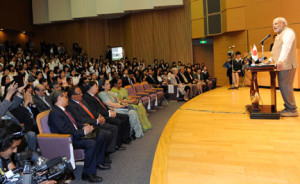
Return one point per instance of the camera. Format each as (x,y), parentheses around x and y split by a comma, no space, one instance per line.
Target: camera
(36,169)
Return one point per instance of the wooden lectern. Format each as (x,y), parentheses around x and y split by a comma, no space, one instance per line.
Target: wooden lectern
(262,111)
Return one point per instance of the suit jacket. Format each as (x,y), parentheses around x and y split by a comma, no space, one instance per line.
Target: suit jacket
(125,81)
(151,80)
(79,114)
(181,78)
(189,78)
(60,123)
(95,107)
(40,104)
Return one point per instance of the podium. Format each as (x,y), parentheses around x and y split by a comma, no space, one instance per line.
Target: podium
(255,110)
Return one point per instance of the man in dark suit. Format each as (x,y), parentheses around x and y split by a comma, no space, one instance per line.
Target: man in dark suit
(60,121)
(98,107)
(108,54)
(126,80)
(41,100)
(151,78)
(82,113)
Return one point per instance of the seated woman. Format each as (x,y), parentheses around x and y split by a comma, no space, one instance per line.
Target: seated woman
(206,78)
(183,89)
(111,100)
(133,103)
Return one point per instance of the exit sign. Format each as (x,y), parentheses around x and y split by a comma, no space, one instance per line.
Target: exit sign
(203,41)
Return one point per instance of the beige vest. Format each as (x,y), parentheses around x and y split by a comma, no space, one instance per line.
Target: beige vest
(292,59)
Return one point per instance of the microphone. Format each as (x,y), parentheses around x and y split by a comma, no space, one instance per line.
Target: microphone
(231,46)
(262,59)
(262,41)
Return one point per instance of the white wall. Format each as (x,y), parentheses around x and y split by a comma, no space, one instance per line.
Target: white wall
(83,8)
(47,11)
(40,11)
(59,10)
(109,7)
(167,2)
(138,5)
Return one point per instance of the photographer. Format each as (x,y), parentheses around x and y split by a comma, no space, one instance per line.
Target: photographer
(11,136)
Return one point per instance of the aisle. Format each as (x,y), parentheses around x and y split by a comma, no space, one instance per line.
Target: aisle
(211,140)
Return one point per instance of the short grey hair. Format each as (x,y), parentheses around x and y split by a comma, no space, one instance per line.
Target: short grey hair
(282,20)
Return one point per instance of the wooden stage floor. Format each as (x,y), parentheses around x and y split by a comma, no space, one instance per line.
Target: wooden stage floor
(212,140)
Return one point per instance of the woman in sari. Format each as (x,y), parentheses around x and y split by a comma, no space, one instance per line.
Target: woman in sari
(111,100)
(133,103)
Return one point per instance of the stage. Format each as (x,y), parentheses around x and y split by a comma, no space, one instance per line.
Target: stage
(212,140)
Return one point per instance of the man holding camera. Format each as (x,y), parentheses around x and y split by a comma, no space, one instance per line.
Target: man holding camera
(11,136)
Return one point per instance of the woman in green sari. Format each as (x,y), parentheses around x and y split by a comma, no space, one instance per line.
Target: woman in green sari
(134,103)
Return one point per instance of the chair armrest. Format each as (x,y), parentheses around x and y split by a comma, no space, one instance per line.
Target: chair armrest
(142,94)
(134,96)
(149,91)
(54,135)
(158,89)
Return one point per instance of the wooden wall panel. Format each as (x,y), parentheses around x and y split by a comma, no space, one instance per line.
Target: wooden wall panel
(197,10)
(16,15)
(15,36)
(260,14)
(198,28)
(236,19)
(290,10)
(161,36)
(234,3)
(68,33)
(204,54)
(221,44)
(143,39)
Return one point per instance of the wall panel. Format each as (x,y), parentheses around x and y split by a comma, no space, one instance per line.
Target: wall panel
(236,19)
(221,44)
(16,15)
(81,9)
(261,13)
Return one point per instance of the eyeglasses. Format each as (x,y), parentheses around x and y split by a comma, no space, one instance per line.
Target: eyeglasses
(78,93)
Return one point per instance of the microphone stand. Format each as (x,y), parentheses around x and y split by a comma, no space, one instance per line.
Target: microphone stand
(232,67)
(262,51)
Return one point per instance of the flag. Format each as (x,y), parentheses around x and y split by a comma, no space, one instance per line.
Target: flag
(254,53)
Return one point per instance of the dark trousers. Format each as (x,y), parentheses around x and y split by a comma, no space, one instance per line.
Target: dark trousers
(122,122)
(93,152)
(110,133)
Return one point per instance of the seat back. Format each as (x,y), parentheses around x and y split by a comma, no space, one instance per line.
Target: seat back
(138,88)
(130,90)
(42,122)
(52,146)
(146,86)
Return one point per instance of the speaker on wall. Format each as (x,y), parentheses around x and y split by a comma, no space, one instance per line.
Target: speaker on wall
(212,17)
(213,6)
(214,24)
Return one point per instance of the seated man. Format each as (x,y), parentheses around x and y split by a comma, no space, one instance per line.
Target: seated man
(80,110)
(41,100)
(98,107)
(60,121)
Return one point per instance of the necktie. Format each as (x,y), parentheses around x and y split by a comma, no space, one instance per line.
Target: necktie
(72,119)
(100,103)
(44,100)
(184,78)
(86,110)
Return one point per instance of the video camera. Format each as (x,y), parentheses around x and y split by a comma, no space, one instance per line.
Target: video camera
(36,169)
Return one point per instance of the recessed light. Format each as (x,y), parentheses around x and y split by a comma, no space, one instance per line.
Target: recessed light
(24,32)
(1,29)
